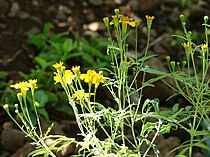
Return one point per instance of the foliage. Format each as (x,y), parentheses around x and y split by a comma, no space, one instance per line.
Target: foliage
(102,128)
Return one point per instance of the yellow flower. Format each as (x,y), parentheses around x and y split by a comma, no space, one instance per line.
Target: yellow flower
(80,94)
(204,47)
(186,46)
(88,78)
(98,78)
(127,20)
(58,66)
(115,20)
(149,20)
(68,76)
(57,78)
(76,69)
(23,86)
(32,83)
(106,21)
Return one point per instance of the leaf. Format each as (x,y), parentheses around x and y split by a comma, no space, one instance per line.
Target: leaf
(92,50)
(153,71)
(187,108)
(43,112)
(41,62)
(3,74)
(201,145)
(67,45)
(41,97)
(47,28)
(142,59)
(37,152)
(175,107)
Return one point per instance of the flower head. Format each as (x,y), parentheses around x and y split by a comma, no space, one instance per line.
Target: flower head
(98,78)
(88,78)
(32,84)
(23,86)
(186,46)
(115,20)
(106,21)
(149,20)
(76,69)
(80,95)
(6,106)
(58,66)
(127,20)
(68,76)
(204,46)
(57,78)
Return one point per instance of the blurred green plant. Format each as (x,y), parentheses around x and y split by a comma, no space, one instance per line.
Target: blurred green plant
(55,47)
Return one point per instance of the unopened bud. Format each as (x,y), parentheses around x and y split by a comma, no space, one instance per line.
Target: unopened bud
(206,18)
(168,58)
(173,64)
(6,106)
(182,18)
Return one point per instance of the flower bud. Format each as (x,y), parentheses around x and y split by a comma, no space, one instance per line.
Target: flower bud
(173,64)
(206,18)
(16,105)
(168,58)
(6,106)
(106,21)
(117,11)
(184,63)
(182,18)
(149,20)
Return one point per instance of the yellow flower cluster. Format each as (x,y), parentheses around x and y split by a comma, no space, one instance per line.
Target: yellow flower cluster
(24,86)
(119,18)
(93,78)
(70,80)
(67,76)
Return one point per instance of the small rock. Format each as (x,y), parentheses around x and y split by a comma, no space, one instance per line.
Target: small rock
(15,8)
(198,154)
(24,151)
(8,125)
(90,17)
(144,6)
(12,139)
(56,129)
(35,3)
(4,154)
(49,141)
(3,25)
(23,15)
(96,2)
(32,30)
(36,19)
(51,9)
(95,26)
(67,150)
(4,6)
(110,3)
